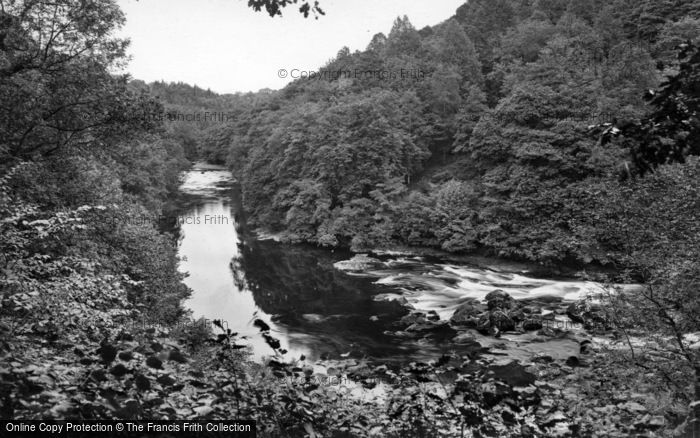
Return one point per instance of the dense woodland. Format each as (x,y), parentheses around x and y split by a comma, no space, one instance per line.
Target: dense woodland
(554,131)
(489,149)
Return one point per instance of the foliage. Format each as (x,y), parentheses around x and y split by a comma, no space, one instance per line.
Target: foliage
(83,177)
(651,226)
(55,84)
(274,7)
(672,131)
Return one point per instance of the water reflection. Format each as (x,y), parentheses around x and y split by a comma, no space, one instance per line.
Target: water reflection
(322,309)
(208,242)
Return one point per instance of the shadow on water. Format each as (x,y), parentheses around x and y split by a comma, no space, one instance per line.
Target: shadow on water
(323,309)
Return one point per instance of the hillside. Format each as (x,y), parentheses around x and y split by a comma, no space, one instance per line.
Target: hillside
(473,135)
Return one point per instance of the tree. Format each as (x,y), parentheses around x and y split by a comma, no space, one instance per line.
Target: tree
(484,22)
(672,131)
(473,109)
(528,153)
(403,38)
(275,7)
(643,20)
(585,9)
(378,43)
(450,45)
(672,36)
(55,81)
(552,9)
(524,42)
(454,216)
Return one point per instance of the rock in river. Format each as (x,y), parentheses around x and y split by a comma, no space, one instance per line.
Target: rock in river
(495,322)
(359,263)
(467,314)
(499,299)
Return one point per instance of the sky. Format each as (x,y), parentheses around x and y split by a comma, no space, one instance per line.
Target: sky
(227,47)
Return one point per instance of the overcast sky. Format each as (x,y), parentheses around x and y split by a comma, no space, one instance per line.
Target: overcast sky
(228,47)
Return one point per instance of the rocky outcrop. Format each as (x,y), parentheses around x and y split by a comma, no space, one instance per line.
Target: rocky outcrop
(500,314)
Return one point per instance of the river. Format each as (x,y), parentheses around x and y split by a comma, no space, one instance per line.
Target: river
(322,312)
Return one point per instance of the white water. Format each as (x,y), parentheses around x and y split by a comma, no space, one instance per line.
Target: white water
(445,287)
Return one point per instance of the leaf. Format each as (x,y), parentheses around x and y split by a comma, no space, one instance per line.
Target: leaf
(154,362)
(98,375)
(142,382)
(126,356)
(107,352)
(119,370)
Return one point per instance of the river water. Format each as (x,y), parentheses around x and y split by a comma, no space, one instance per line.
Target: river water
(319,311)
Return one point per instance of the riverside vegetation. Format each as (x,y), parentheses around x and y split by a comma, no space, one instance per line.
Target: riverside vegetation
(504,145)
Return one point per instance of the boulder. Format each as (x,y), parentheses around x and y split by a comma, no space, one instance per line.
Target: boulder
(513,373)
(499,299)
(483,325)
(413,318)
(502,320)
(494,322)
(517,315)
(467,314)
(431,328)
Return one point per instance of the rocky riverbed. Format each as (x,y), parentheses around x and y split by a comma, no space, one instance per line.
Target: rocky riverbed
(495,312)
